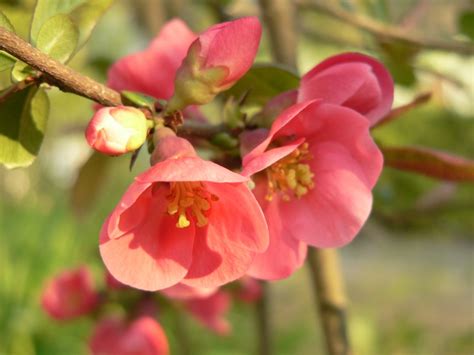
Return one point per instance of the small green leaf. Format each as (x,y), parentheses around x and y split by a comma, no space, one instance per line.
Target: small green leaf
(87,15)
(6,61)
(21,71)
(399,58)
(137,99)
(429,162)
(90,180)
(23,119)
(466,23)
(262,82)
(58,38)
(5,22)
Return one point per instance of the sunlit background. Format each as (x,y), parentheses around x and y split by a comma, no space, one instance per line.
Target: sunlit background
(409,274)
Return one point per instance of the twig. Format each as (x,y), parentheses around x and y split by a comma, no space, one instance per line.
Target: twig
(397,112)
(327,281)
(384,31)
(263,323)
(55,73)
(279,16)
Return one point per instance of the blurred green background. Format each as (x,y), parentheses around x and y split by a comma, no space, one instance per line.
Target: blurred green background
(409,274)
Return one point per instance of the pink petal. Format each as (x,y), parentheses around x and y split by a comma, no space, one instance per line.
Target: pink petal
(233,45)
(333,212)
(184,292)
(285,254)
(216,260)
(189,169)
(210,311)
(155,254)
(351,79)
(152,71)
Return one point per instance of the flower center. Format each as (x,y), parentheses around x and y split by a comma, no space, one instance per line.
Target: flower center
(291,175)
(190,200)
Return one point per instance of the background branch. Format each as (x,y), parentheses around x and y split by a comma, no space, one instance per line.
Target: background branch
(384,31)
(263,321)
(327,280)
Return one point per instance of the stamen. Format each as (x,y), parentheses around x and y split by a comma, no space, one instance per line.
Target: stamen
(190,201)
(292,174)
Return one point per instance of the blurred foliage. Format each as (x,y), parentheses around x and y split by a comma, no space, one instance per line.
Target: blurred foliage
(408,272)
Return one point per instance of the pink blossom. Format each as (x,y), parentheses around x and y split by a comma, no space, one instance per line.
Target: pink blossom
(153,70)
(353,80)
(70,294)
(249,290)
(183,220)
(144,336)
(117,130)
(313,177)
(216,60)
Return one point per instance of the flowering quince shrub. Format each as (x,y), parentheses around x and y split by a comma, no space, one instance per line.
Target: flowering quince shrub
(286,169)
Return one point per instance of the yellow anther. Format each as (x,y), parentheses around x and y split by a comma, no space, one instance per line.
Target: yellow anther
(191,201)
(291,175)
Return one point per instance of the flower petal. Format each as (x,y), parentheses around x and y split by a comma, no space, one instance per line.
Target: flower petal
(333,212)
(189,169)
(285,253)
(152,71)
(354,80)
(152,256)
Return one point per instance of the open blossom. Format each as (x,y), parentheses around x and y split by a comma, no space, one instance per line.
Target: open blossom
(117,130)
(183,220)
(313,177)
(216,60)
(113,336)
(70,294)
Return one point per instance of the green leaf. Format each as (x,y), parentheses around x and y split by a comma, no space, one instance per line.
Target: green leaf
(5,22)
(83,13)
(90,180)
(23,119)
(58,37)
(466,23)
(262,82)
(21,71)
(399,58)
(137,99)
(429,162)
(87,15)
(6,61)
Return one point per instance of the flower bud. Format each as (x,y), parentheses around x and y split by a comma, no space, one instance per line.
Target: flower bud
(70,294)
(117,130)
(215,61)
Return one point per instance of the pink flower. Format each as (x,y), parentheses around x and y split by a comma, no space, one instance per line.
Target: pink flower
(313,177)
(207,305)
(249,290)
(117,130)
(353,80)
(144,336)
(183,220)
(215,61)
(153,70)
(70,294)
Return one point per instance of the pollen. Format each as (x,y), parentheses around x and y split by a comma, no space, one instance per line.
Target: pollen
(190,201)
(291,176)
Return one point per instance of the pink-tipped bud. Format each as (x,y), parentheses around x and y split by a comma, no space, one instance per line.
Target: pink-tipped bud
(215,61)
(70,294)
(117,130)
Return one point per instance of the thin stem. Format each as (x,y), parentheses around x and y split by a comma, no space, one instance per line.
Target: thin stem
(56,73)
(397,112)
(384,31)
(279,17)
(327,282)
(263,322)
